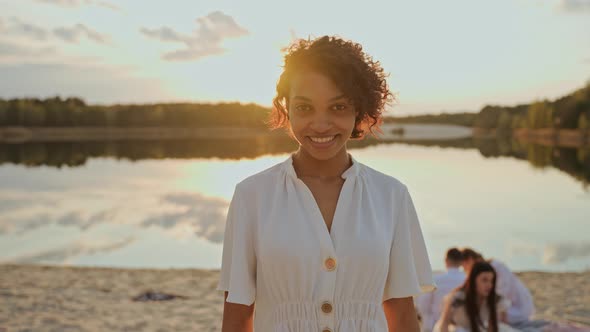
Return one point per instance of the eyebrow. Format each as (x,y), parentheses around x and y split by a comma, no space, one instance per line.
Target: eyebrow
(309,99)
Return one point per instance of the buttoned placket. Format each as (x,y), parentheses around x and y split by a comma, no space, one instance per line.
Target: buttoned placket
(329,257)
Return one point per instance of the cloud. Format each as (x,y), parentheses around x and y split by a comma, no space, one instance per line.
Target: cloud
(206,40)
(75,33)
(63,3)
(575,5)
(164,34)
(78,3)
(107,5)
(205,215)
(23,225)
(16,27)
(64,253)
(13,51)
(559,253)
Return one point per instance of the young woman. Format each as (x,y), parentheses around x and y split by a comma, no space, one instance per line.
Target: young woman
(509,287)
(321,242)
(475,306)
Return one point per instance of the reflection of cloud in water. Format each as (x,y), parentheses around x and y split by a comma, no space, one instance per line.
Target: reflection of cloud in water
(77,218)
(553,253)
(61,255)
(206,215)
(177,212)
(10,202)
(559,253)
(80,219)
(524,249)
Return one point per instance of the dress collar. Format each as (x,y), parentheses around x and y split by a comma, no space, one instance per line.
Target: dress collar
(351,172)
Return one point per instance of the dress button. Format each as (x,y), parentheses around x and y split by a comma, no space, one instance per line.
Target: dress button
(327,329)
(326,307)
(330,264)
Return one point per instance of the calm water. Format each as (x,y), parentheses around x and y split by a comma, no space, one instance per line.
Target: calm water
(171,212)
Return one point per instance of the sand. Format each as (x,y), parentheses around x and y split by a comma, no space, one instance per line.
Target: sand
(39,298)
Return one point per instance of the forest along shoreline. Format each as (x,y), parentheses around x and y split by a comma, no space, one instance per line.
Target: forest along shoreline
(567,138)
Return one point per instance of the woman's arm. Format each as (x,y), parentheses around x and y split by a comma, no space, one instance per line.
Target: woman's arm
(502,317)
(237,317)
(401,315)
(445,318)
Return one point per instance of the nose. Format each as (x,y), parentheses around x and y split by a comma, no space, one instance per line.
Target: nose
(321,123)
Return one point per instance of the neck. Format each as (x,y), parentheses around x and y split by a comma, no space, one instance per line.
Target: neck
(481,300)
(307,165)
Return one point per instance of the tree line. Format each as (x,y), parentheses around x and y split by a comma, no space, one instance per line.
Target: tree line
(571,111)
(568,112)
(74,112)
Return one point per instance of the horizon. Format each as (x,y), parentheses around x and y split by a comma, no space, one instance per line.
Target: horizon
(458,58)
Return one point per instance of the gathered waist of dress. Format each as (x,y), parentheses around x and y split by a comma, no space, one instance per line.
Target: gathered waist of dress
(312,311)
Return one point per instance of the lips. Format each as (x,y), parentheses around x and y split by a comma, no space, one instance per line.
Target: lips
(322,142)
(322,139)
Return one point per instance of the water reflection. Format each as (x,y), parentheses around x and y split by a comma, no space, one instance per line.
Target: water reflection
(62,255)
(205,215)
(575,162)
(163,203)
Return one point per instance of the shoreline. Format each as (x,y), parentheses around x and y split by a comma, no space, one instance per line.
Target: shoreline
(566,138)
(551,137)
(45,297)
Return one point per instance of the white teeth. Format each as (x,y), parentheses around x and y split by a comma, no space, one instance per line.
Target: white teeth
(322,139)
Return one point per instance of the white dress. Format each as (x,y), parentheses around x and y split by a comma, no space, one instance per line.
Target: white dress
(278,252)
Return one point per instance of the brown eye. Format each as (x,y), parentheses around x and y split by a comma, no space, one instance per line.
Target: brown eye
(339,107)
(302,108)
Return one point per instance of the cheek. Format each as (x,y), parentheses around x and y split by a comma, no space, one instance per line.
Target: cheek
(347,122)
(296,124)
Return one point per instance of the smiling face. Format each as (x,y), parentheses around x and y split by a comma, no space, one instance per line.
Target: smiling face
(321,117)
(484,283)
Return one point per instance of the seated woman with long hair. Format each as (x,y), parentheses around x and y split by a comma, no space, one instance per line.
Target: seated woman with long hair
(475,306)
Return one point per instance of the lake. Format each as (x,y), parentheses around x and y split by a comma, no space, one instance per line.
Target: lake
(163,204)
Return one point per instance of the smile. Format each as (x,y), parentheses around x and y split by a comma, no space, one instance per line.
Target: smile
(322,139)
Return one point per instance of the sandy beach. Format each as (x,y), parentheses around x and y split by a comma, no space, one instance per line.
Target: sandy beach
(41,298)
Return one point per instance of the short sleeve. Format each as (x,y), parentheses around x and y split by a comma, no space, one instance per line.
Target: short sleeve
(409,267)
(238,265)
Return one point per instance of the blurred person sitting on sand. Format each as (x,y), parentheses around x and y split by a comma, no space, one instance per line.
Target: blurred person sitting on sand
(521,308)
(429,305)
(321,242)
(475,306)
(509,286)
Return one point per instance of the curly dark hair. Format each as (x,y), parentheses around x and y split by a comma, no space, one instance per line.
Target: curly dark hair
(355,73)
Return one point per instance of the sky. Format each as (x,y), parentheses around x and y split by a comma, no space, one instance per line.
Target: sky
(447,56)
